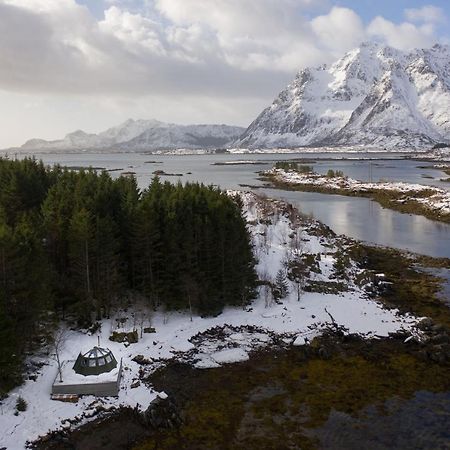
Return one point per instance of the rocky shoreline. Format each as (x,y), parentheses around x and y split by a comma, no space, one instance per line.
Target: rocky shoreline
(431,202)
(225,407)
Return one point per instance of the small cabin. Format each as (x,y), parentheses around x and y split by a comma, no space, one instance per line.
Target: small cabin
(95,372)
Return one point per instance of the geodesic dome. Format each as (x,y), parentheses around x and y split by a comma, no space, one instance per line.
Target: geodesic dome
(94,362)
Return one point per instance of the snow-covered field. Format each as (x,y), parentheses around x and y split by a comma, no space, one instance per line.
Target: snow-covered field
(437,201)
(242,330)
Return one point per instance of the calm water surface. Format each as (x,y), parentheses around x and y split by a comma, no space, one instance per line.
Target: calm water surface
(359,218)
(422,423)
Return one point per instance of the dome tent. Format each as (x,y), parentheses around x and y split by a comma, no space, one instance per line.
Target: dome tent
(94,362)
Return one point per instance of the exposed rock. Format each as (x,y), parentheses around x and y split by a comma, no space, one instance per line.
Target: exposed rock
(131,337)
(162,413)
(425,324)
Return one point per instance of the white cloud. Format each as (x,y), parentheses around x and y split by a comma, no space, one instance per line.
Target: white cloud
(339,30)
(404,36)
(179,46)
(136,32)
(248,34)
(42,5)
(427,14)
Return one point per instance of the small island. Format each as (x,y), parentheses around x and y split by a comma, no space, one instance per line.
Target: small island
(429,201)
(161,173)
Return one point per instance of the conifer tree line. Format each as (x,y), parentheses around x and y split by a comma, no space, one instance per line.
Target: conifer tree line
(73,242)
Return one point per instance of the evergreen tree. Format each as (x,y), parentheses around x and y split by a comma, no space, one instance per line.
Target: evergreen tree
(281,287)
(80,243)
(298,272)
(77,240)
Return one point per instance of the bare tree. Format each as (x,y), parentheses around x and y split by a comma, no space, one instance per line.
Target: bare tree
(266,287)
(268,239)
(267,295)
(165,314)
(141,317)
(297,244)
(135,320)
(58,343)
(283,236)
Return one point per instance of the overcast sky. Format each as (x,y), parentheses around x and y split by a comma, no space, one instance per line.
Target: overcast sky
(91,64)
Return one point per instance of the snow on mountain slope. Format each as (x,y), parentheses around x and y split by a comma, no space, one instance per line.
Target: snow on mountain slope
(189,136)
(134,135)
(129,130)
(374,95)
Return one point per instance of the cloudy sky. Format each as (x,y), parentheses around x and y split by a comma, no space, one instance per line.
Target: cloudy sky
(91,64)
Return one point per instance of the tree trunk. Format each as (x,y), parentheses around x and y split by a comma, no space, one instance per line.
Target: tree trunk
(190,305)
(4,268)
(59,366)
(88,283)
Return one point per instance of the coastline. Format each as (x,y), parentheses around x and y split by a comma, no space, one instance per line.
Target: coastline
(428,201)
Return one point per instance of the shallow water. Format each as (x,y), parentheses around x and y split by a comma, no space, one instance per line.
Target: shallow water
(444,275)
(420,423)
(359,218)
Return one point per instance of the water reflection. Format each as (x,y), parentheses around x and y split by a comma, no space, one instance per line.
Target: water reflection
(366,220)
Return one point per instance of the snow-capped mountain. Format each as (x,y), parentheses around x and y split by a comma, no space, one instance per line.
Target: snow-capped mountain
(143,135)
(374,96)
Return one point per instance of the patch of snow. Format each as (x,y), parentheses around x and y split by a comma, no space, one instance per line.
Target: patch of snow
(69,376)
(230,355)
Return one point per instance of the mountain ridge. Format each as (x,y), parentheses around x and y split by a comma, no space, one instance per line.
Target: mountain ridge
(141,135)
(375,95)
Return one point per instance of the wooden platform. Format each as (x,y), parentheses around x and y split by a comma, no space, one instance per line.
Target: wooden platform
(67,398)
(104,385)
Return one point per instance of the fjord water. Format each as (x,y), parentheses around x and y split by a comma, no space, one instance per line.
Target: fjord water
(366,220)
(359,218)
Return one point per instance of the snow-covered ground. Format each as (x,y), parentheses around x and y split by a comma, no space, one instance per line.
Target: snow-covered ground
(438,200)
(440,154)
(208,342)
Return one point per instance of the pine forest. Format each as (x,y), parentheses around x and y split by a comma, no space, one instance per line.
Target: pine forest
(77,243)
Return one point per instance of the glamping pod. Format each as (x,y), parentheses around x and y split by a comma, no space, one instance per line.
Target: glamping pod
(95,372)
(94,362)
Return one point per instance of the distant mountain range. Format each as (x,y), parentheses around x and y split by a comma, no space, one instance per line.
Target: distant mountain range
(143,135)
(374,96)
